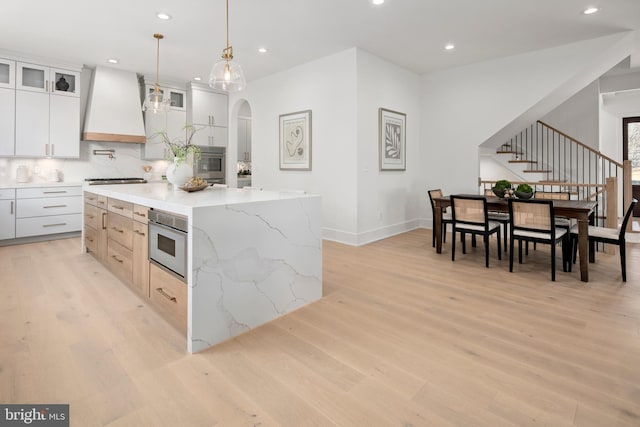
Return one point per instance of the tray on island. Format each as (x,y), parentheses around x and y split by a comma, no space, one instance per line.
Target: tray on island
(192,189)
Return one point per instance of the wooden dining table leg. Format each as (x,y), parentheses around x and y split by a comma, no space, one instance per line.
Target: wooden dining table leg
(438,228)
(583,248)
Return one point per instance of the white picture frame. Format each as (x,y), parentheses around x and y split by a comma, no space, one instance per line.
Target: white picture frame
(295,141)
(392,140)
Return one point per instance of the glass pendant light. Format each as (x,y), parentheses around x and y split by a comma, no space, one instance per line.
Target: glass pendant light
(156,102)
(227,75)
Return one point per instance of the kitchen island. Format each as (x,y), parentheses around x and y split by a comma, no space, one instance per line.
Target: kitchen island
(252,255)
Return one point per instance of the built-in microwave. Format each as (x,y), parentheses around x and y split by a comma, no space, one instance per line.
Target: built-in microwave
(212,165)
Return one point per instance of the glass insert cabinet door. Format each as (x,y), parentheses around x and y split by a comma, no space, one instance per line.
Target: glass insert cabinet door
(40,78)
(631,151)
(7,73)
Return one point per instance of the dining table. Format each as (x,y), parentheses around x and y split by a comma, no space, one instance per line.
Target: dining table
(581,210)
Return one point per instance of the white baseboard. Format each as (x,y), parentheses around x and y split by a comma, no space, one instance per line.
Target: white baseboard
(359,239)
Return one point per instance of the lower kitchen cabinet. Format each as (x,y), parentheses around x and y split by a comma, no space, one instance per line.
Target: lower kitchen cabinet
(95,225)
(169,295)
(7,213)
(48,210)
(119,261)
(140,253)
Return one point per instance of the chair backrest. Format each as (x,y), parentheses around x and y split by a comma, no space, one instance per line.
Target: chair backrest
(532,215)
(551,195)
(432,195)
(627,216)
(470,210)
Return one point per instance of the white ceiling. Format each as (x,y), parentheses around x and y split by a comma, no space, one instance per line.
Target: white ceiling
(411,33)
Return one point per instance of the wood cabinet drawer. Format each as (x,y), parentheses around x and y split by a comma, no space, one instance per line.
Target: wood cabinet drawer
(91,239)
(169,295)
(141,213)
(120,229)
(92,216)
(42,225)
(47,206)
(119,207)
(33,193)
(7,193)
(95,200)
(119,261)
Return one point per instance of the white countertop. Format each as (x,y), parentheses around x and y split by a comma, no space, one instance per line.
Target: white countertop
(160,195)
(38,184)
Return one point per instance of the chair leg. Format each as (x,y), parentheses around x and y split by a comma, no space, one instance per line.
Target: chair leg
(473,240)
(486,249)
(499,246)
(464,243)
(453,244)
(565,244)
(553,262)
(504,224)
(511,254)
(623,260)
(520,251)
(444,232)
(574,247)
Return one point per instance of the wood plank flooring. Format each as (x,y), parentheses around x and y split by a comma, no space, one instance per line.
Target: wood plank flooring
(403,337)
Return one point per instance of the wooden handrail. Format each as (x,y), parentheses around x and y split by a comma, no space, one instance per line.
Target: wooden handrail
(563,184)
(581,144)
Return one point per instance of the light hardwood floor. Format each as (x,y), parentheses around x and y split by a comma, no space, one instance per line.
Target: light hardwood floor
(403,337)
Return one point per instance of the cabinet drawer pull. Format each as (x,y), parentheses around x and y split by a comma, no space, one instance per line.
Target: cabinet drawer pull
(90,216)
(116,258)
(104,215)
(91,198)
(46,85)
(138,233)
(117,207)
(12,205)
(118,230)
(89,239)
(100,202)
(54,192)
(56,206)
(166,295)
(140,214)
(55,225)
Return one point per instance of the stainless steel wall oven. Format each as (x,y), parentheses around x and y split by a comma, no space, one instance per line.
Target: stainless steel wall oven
(168,244)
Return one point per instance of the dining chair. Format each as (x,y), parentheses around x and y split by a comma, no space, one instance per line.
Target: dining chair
(532,220)
(612,236)
(560,221)
(501,217)
(470,215)
(446,217)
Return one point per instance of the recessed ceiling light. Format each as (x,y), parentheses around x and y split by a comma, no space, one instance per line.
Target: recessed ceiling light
(590,11)
(450,46)
(112,61)
(197,79)
(262,50)
(163,16)
(377,2)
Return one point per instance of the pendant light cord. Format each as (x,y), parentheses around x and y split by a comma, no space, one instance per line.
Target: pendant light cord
(158,37)
(227,24)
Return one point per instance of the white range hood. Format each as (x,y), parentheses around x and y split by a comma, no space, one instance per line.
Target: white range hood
(114,111)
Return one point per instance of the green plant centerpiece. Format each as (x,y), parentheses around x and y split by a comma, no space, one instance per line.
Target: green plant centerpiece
(501,187)
(524,191)
(181,148)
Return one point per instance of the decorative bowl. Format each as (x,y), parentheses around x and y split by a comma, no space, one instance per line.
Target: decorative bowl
(192,189)
(498,191)
(522,195)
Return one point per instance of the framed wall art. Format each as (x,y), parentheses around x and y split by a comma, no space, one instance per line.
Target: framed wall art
(295,141)
(392,136)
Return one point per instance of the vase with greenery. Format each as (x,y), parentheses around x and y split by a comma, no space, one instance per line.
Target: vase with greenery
(501,187)
(524,191)
(183,152)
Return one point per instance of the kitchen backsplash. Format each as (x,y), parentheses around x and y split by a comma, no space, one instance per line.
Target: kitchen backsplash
(127,162)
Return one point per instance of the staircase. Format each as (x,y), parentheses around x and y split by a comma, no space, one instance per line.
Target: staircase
(553,161)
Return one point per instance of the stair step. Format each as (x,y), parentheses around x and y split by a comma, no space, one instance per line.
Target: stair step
(508,152)
(536,171)
(522,161)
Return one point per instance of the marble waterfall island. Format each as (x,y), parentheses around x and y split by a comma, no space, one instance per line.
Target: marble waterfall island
(252,255)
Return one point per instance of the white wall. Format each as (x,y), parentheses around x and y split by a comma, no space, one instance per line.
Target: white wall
(327,87)
(387,202)
(578,116)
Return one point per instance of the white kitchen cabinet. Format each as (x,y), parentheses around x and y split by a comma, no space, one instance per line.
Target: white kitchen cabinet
(48,210)
(173,122)
(47,125)
(7,73)
(41,78)
(244,139)
(7,213)
(209,112)
(7,121)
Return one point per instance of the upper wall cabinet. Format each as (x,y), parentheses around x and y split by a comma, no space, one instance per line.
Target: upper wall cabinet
(208,111)
(7,73)
(40,78)
(172,122)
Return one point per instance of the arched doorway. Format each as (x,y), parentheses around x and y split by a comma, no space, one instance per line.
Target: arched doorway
(241,135)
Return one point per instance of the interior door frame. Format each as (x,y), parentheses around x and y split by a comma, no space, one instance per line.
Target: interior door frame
(635,189)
